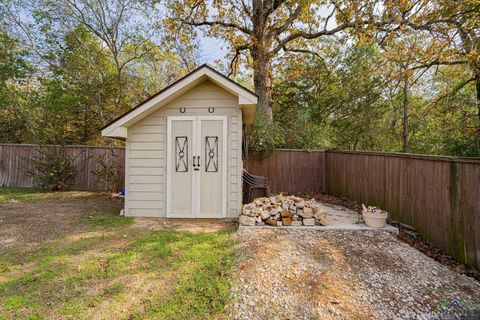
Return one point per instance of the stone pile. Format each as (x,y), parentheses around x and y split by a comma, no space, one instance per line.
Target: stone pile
(282,211)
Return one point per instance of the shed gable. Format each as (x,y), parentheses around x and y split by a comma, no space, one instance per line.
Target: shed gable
(202,76)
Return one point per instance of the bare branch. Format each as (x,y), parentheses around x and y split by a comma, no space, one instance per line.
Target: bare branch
(325,25)
(218,23)
(306,35)
(238,51)
(313,53)
(438,63)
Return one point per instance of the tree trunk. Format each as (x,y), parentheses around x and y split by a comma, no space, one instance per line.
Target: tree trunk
(477,87)
(405,114)
(262,80)
(262,69)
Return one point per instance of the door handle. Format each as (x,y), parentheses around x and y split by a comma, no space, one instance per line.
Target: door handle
(196,167)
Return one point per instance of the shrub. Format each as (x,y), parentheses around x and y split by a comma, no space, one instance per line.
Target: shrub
(265,136)
(53,169)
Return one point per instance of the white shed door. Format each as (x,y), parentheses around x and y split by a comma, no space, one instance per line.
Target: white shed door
(196,167)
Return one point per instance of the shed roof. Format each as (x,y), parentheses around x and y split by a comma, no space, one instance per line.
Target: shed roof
(246,98)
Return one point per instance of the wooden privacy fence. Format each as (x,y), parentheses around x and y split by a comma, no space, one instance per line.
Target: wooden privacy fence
(290,170)
(439,196)
(16,165)
(287,170)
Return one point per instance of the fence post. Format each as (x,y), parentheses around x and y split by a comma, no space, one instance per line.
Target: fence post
(324,176)
(456,232)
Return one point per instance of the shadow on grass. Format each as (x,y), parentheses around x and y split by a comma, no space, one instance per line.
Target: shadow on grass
(114,271)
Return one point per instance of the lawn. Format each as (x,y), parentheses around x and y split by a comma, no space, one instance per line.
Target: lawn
(99,266)
(16,194)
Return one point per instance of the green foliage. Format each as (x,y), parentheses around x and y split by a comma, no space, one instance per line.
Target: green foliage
(14,72)
(87,70)
(54,169)
(69,69)
(264,136)
(337,104)
(350,100)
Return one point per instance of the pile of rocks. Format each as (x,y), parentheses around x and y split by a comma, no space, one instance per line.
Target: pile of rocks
(282,211)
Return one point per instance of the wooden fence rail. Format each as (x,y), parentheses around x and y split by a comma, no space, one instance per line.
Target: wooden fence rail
(439,196)
(16,165)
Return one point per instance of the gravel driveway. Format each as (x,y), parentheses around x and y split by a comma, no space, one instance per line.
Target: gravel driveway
(300,274)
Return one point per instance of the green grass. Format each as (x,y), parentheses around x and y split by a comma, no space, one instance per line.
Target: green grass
(113,271)
(23,194)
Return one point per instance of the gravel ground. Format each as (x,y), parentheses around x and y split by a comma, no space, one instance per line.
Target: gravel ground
(301,274)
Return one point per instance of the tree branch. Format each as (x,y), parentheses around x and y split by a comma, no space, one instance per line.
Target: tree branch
(306,35)
(438,63)
(238,51)
(302,51)
(217,23)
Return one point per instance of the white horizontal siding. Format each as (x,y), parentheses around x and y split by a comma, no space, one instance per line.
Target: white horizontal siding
(233,160)
(146,163)
(152,145)
(146,204)
(139,212)
(146,167)
(142,195)
(144,137)
(146,154)
(146,179)
(146,171)
(152,187)
(153,119)
(150,128)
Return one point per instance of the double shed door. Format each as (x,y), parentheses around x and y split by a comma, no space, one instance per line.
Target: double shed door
(196,166)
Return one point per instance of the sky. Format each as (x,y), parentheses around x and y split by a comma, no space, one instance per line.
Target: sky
(212,49)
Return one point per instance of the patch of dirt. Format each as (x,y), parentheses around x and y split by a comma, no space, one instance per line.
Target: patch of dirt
(300,274)
(27,223)
(189,225)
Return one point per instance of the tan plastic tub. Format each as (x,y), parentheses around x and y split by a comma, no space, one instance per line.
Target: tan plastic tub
(377,220)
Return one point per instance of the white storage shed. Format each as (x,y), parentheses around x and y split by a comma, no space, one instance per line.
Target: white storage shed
(184,148)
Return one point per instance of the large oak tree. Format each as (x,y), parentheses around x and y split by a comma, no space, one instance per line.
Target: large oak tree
(261,30)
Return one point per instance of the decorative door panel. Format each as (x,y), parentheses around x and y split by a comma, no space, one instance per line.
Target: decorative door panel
(196,166)
(213,167)
(180,189)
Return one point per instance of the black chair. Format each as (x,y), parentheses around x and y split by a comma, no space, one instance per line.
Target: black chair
(254,187)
